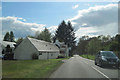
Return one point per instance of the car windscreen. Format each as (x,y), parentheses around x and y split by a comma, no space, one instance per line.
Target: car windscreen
(108,54)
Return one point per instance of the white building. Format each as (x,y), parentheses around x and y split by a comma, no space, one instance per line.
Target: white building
(5,43)
(30,46)
(64,49)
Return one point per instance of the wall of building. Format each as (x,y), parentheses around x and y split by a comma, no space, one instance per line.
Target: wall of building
(53,55)
(43,55)
(25,50)
(48,55)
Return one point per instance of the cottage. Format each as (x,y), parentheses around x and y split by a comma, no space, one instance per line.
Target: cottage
(30,46)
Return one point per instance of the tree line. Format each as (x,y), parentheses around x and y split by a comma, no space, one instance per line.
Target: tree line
(91,45)
(64,33)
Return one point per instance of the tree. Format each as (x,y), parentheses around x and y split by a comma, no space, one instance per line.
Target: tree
(93,46)
(6,37)
(44,35)
(61,32)
(8,49)
(65,33)
(70,40)
(82,45)
(114,46)
(117,38)
(8,53)
(11,36)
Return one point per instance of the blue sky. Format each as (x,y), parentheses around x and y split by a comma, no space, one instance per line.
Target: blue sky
(33,16)
(44,12)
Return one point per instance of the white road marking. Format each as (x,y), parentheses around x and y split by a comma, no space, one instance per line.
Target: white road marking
(101,72)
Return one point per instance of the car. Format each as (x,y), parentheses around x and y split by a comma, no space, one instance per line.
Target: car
(106,58)
(1,57)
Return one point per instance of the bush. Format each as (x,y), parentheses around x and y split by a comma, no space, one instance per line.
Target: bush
(60,56)
(34,56)
(8,56)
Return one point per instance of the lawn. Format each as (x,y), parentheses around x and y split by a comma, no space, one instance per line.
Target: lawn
(30,68)
(92,57)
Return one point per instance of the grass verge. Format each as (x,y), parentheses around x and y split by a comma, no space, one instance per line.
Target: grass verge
(92,57)
(30,68)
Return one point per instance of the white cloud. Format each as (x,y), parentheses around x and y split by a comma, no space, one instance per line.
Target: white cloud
(21,19)
(96,20)
(92,21)
(20,28)
(86,31)
(52,29)
(75,6)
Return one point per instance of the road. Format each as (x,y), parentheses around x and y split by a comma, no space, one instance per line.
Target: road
(78,67)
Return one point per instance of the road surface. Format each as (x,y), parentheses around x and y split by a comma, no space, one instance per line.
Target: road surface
(78,67)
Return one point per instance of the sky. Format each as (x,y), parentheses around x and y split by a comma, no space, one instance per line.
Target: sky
(87,18)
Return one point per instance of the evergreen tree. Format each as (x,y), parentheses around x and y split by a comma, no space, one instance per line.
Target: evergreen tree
(6,37)
(61,32)
(11,36)
(65,33)
(70,35)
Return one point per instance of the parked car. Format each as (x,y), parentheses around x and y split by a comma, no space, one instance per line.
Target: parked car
(1,57)
(109,58)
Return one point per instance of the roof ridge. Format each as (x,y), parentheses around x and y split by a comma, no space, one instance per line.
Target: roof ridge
(38,40)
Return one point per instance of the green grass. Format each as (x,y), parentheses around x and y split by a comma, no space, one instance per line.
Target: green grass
(30,68)
(92,57)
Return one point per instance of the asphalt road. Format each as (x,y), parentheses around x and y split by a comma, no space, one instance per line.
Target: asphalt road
(78,67)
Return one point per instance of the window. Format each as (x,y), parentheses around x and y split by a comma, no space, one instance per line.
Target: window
(40,53)
(108,54)
(62,52)
(63,46)
(51,54)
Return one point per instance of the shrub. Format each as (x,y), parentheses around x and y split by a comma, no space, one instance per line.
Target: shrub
(8,56)
(60,56)
(34,56)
